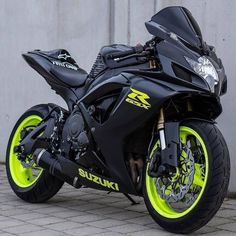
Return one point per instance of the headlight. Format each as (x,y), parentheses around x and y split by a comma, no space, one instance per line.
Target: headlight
(205,69)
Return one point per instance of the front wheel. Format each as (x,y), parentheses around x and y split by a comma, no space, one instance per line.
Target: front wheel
(189,196)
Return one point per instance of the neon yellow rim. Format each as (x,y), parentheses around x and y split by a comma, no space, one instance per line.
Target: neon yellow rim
(159,204)
(23,177)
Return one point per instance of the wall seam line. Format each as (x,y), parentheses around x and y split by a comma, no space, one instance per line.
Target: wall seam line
(111,21)
(128,26)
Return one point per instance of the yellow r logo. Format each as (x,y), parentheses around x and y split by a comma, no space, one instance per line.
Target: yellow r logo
(138,98)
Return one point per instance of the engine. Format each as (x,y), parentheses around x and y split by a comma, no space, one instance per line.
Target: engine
(75,134)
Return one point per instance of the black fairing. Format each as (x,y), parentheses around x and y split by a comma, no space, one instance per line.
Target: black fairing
(187,42)
(177,20)
(110,118)
(112,133)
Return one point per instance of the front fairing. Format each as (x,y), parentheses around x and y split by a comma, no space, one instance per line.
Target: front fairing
(173,63)
(171,55)
(179,36)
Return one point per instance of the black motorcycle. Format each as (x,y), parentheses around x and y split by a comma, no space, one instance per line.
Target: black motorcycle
(142,122)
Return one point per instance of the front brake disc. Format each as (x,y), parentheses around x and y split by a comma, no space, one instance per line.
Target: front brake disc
(173,189)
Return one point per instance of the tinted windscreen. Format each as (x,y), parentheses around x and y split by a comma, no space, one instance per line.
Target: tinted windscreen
(179,21)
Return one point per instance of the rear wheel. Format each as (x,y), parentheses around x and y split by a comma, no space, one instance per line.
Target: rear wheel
(30,182)
(190,195)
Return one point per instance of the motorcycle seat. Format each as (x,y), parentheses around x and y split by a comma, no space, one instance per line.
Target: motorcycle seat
(70,77)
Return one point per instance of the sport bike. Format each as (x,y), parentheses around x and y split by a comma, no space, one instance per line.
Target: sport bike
(142,122)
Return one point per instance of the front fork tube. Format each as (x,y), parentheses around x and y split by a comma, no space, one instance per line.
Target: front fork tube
(169,140)
(161,130)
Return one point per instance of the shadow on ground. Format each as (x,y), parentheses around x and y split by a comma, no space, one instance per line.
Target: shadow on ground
(91,212)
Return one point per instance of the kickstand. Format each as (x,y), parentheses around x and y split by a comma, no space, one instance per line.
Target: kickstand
(133,202)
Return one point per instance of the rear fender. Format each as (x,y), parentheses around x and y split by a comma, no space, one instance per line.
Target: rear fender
(44,66)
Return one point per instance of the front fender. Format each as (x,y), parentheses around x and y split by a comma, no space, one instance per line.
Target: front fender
(198,119)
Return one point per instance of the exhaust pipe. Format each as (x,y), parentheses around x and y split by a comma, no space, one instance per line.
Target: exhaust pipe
(58,166)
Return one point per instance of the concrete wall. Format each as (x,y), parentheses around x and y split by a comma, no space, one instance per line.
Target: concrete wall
(83,27)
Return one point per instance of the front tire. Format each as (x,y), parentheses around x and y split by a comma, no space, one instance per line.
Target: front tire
(30,184)
(212,184)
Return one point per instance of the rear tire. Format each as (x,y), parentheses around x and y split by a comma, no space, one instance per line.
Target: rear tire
(44,186)
(214,191)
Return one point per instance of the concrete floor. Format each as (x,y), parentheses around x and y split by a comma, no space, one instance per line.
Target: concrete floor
(91,212)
